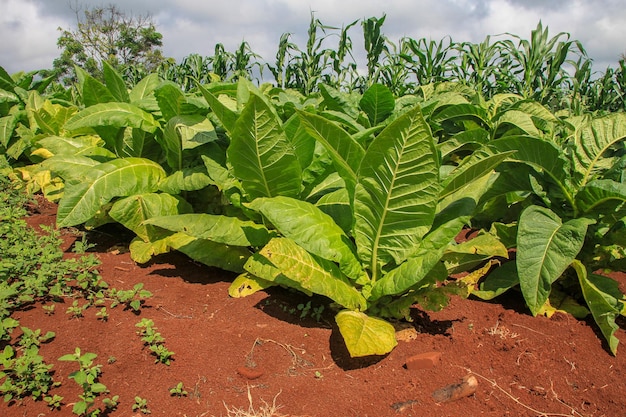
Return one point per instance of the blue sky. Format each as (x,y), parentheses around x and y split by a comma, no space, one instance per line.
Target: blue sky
(29,28)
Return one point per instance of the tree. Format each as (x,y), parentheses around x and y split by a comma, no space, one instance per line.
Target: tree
(108,34)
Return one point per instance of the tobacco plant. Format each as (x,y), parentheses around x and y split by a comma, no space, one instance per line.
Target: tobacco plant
(572,211)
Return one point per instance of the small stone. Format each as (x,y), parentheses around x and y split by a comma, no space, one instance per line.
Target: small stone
(249,373)
(426,360)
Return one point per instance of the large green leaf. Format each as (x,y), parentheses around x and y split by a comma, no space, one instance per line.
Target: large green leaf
(470,171)
(7,127)
(119,115)
(69,167)
(601,194)
(497,282)
(312,229)
(397,191)
(115,83)
(345,152)
(144,88)
(131,212)
(592,141)
(467,255)
(312,273)
(538,153)
(260,154)
(185,132)
(423,258)
(117,178)
(228,258)
(605,301)
(218,228)
(519,120)
(92,90)
(225,115)
(378,103)
(545,248)
(51,117)
(187,179)
(170,98)
(365,335)
(410,273)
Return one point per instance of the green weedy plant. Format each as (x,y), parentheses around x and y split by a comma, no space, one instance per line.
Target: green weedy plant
(87,378)
(572,198)
(24,373)
(154,341)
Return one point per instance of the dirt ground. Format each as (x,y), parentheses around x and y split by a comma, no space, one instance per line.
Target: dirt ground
(257,352)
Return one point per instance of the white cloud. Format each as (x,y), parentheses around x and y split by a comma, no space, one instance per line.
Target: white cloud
(194,26)
(28,39)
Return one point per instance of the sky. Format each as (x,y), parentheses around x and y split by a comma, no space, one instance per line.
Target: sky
(29,29)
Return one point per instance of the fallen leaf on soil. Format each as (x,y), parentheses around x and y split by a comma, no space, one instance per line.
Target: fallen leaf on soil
(406,335)
(454,392)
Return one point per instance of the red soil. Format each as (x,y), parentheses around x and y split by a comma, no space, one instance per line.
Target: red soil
(228,351)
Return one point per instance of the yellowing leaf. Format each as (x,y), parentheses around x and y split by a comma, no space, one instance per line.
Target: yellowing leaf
(365,335)
(247,284)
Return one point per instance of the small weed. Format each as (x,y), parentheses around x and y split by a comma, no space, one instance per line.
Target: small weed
(141,404)
(154,341)
(87,378)
(82,246)
(314,312)
(54,402)
(76,310)
(34,338)
(178,390)
(103,314)
(132,299)
(49,309)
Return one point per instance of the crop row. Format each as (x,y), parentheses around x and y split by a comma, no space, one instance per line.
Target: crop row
(354,196)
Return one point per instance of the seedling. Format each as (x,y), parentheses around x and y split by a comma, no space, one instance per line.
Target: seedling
(103,314)
(141,404)
(54,402)
(76,310)
(82,246)
(314,312)
(49,309)
(178,390)
(154,341)
(132,299)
